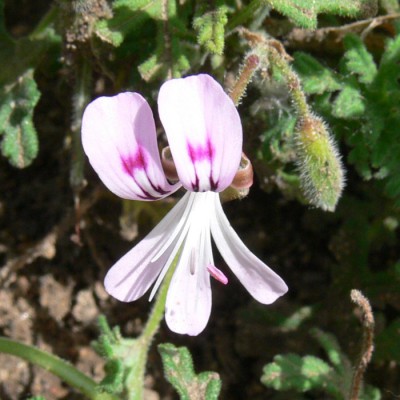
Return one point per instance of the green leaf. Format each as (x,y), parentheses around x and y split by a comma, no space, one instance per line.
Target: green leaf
(113,381)
(125,360)
(332,348)
(106,33)
(299,373)
(302,374)
(179,371)
(315,78)
(358,60)
(210,29)
(168,52)
(128,16)
(304,12)
(349,103)
(160,64)
(370,393)
(17,103)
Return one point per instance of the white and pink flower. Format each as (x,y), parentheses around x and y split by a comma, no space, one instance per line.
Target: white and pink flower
(205,136)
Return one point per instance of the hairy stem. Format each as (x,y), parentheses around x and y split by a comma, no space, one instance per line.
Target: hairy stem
(367,345)
(64,370)
(298,97)
(135,378)
(248,69)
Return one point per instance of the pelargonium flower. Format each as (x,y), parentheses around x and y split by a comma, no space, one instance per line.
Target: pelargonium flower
(205,138)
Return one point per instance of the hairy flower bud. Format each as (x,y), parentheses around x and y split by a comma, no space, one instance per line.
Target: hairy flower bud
(321,170)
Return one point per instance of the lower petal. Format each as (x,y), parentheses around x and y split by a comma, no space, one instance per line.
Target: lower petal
(188,305)
(260,281)
(131,276)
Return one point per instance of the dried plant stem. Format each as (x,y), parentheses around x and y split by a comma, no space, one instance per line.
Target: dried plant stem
(315,38)
(167,37)
(367,346)
(80,100)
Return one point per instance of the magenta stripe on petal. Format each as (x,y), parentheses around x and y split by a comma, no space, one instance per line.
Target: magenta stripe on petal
(119,138)
(204,132)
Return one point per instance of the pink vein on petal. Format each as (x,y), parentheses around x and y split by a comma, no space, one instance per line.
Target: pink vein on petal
(131,164)
(199,153)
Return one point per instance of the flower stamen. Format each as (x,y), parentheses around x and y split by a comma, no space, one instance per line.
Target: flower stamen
(217,274)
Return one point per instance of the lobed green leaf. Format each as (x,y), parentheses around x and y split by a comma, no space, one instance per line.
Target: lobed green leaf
(358,60)
(17,103)
(179,371)
(304,12)
(315,78)
(210,29)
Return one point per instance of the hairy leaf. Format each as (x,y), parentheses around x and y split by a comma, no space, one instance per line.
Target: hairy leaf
(17,103)
(294,372)
(358,60)
(316,78)
(304,12)
(210,29)
(179,371)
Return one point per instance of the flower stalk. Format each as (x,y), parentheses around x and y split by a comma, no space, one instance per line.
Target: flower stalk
(137,355)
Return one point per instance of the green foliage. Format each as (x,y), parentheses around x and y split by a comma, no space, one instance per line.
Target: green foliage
(319,169)
(210,29)
(179,371)
(127,16)
(304,12)
(17,102)
(19,93)
(315,77)
(162,64)
(37,398)
(169,58)
(303,374)
(365,107)
(358,60)
(110,345)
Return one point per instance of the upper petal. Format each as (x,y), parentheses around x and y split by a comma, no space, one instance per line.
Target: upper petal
(204,131)
(260,281)
(119,137)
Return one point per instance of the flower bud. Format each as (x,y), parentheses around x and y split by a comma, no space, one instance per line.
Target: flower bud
(319,163)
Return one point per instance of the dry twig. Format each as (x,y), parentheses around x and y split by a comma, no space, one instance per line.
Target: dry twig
(367,345)
(328,38)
